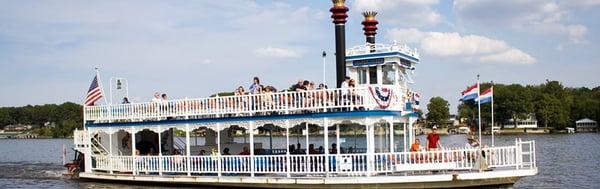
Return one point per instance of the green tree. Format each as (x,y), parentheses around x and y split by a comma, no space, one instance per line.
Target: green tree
(512,102)
(438,111)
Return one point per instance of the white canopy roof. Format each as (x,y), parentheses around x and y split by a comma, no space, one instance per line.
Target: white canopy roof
(585,120)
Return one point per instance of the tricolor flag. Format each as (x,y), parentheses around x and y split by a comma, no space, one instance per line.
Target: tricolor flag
(470,93)
(94,93)
(486,96)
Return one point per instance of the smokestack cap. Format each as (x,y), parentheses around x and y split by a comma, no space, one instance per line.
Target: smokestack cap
(338,11)
(370,24)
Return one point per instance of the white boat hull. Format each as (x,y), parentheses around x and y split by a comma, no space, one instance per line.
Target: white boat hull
(449,180)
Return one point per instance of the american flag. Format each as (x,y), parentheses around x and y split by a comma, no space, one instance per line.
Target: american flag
(94,93)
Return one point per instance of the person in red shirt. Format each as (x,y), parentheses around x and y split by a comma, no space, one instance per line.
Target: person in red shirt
(433,139)
(245,151)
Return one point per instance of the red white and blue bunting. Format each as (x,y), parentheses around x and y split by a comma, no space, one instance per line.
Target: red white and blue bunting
(382,95)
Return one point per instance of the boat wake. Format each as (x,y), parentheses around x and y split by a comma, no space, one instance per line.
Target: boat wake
(42,171)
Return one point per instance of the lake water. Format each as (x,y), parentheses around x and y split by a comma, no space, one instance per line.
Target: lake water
(564,161)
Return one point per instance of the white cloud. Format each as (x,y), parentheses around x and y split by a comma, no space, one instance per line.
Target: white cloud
(510,55)
(401,12)
(272,52)
(534,16)
(452,44)
(176,40)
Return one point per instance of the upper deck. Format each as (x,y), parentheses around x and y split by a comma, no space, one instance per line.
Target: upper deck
(365,98)
(369,50)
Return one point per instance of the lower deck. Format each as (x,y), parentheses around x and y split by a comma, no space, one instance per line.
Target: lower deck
(158,152)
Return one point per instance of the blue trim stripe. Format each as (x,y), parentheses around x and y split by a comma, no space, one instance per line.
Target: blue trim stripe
(252,118)
(381,55)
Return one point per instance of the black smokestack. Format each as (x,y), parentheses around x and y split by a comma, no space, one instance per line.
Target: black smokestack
(339,16)
(370,25)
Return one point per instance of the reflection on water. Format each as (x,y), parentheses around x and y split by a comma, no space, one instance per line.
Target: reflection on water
(564,161)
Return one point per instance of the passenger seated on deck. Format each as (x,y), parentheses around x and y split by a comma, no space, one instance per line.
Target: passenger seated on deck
(299,149)
(245,151)
(471,142)
(333,149)
(311,149)
(416,147)
(226,152)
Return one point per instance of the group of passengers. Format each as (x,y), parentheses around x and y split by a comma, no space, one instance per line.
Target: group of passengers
(433,144)
(306,99)
(311,149)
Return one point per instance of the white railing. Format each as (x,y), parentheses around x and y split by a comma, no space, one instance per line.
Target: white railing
(281,102)
(378,48)
(80,138)
(519,156)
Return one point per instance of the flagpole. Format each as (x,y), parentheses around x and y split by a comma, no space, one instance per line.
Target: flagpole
(492,113)
(324,55)
(479,109)
(100,85)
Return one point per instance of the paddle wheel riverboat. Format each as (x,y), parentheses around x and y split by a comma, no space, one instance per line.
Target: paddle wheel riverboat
(277,134)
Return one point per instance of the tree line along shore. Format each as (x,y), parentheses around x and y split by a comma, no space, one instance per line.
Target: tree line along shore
(553,105)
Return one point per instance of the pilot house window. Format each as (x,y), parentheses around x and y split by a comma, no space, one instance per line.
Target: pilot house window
(389,74)
(373,75)
(362,76)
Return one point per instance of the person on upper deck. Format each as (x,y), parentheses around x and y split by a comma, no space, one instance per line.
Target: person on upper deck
(156,98)
(433,139)
(239,91)
(304,86)
(345,85)
(125,100)
(346,82)
(255,88)
(298,84)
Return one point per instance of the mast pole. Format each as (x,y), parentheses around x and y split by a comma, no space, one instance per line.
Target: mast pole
(100,84)
(479,109)
(492,88)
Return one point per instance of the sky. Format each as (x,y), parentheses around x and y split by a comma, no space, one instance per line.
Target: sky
(49,49)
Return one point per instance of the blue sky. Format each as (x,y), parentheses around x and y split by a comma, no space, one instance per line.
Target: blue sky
(48,49)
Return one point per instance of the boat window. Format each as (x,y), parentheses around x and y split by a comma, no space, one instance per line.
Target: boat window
(389,74)
(373,75)
(362,76)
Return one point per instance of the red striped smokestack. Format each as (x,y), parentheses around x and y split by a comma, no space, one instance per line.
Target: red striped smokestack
(338,13)
(370,25)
